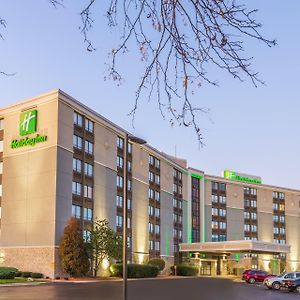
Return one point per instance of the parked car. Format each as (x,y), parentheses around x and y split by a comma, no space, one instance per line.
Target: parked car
(292,285)
(275,282)
(252,276)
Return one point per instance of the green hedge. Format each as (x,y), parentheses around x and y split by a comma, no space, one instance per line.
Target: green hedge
(186,270)
(134,270)
(26,274)
(7,272)
(36,275)
(158,262)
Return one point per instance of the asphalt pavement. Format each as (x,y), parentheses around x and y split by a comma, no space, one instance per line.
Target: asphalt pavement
(146,289)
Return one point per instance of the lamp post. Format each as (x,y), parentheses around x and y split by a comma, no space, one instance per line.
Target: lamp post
(136,140)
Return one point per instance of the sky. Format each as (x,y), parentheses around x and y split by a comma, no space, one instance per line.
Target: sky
(248,130)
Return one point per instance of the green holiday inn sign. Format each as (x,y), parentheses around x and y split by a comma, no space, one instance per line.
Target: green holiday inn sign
(28,125)
(242,177)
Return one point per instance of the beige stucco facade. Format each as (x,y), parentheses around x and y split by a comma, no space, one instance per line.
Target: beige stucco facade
(37,195)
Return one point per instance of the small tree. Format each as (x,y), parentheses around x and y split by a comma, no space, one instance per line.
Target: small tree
(103,243)
(73,251)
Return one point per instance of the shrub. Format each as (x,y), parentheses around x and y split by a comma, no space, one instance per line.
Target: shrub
(18,274)
(8,269)
(36,275)
(26,274)
(186,270)
(7,275)
(135,270)
(158,262)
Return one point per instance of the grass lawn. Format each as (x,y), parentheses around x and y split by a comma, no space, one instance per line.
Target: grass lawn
(18,280)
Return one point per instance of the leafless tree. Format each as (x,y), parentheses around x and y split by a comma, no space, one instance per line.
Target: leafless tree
(181,44)
(179,41)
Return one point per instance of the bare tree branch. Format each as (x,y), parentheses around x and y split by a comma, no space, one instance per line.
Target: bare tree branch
(180,44)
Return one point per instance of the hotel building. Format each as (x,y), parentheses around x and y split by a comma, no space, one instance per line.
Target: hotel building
(59,158)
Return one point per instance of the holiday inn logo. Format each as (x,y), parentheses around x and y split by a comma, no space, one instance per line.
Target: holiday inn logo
(242,177)
(27,126)
(28,122)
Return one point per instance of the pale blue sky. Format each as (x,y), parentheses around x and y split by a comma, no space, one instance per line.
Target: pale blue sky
(253,130)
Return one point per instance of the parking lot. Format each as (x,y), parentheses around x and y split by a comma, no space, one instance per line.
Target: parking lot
(146,289)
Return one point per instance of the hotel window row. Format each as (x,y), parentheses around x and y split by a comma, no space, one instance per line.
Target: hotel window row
(177,212)
(250,214)
(83,171)
(154,206)
(218,212)
(195,234)
(279,228)
(119,193)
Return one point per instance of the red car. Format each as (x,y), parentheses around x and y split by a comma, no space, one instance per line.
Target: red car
(252,276)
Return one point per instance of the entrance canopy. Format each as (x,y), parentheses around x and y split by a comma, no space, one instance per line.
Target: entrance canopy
(242,246)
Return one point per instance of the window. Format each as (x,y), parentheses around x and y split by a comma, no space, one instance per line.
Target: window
(1,124)
(253,216)
(222,237)
(253,228)
(281,196)
(76,211)
(275,195)
(214,225)
(151,176)
(120,162)
(214,185)
(157,163)
(129,148)
(281,207)
(222,199)
(151,245)
(214,198)
(119,221)
(253,191)
(119,181)
(214,211)
(129,241)
(174,202)
(76,188)
(222,225)
(89,147)
(151,160)
(77,142)
(89,125)
(86,236)
(246,215)
(157,212)
(1,146)
(253,203)
(157,179)
(129,166)
(214,238)
(246,227)
(151,193)
(175,188)
(222,186)
(129,185)
(179,189)
(120,142)
(157,246)
(119,201)
(151,228)
(78,119)
(77,163)
(222,212)
(129,206)
(157,195)
(87,214)
(151,210)
(1,167)
(275,206)
(157,229)
(275,218)
(88,192)
(128,222)
(179,203)
(281,219)
(88,169)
